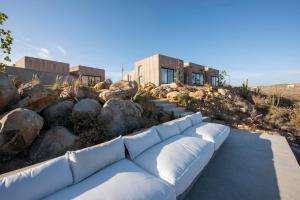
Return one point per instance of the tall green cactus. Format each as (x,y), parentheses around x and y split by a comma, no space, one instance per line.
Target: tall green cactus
(275,100)
(245,88)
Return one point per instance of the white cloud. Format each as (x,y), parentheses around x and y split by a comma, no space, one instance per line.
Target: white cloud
(62,50)
(43,53)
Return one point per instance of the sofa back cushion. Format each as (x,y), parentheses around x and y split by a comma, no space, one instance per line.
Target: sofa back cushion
(196,118)
(184,123)
(37,182)
(167,130)
(136,144)
(86,162)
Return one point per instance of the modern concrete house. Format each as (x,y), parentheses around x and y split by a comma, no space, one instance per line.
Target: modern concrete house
(160,69)
(157,69)
(89,75)
(48,70)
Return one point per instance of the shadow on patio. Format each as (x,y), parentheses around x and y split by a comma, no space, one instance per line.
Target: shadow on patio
(249,166)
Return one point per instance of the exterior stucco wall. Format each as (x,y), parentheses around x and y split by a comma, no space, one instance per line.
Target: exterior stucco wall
(209,73)
(130,76)
(172,63)
(25,75)
(190,68)
(43,65)
(151,69)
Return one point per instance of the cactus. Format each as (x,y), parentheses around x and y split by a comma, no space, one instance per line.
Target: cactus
(275,100)
(245,88)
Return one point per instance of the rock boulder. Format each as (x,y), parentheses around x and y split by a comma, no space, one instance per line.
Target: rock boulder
(8,93)
(172,96)
(102,85)
(120,117)
(18,130)
(53,142)
(59,114)
(84,115)
(36,97)
(130,87)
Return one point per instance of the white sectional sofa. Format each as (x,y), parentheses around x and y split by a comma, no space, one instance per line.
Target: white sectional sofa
(215,133)
(163,162)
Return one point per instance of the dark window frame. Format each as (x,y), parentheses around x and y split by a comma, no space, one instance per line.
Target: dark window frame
(168,70)
(216,82)
(200,74)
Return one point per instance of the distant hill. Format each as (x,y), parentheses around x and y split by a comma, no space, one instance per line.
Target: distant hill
(290,91)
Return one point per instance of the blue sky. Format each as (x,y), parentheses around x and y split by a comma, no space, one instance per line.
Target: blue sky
(258,40)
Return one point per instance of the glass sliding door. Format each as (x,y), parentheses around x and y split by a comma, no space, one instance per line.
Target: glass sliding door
(214,81)
(167,75)
(197,79)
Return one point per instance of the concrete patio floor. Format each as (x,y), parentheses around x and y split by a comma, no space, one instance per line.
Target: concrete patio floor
(250,166)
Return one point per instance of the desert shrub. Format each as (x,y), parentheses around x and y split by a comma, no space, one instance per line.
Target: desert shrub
(296,117)
(183,99)
(279,116)
(35,80)
(56,84)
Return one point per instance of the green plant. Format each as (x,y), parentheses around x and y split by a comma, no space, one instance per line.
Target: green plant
(275,100)
(295,119)
(109,81)
(183,99)
(35,80)
(5,45)
(77,83)
(56,84)
(257,90)
(245,88)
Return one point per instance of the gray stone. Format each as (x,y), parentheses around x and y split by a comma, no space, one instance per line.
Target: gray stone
(130,87)
(120,117)
(36,97)
(54,142)
(59,114)
(19,129)
(8,93)
(84,116)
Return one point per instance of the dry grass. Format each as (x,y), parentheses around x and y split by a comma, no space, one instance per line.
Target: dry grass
(282,90)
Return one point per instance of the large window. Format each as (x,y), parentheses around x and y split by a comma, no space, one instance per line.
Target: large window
(141,74)
(167,75)
(90,80)
(214,81)
(197,78)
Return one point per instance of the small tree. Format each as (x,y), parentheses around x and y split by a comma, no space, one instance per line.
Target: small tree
(222,78)
(5,45)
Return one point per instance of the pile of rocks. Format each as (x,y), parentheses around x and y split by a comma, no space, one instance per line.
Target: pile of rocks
(218,103)
(39,123)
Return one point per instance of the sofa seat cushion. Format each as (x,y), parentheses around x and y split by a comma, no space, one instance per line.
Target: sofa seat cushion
(177,160)
(121,180)
(38,181)
(216,133)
